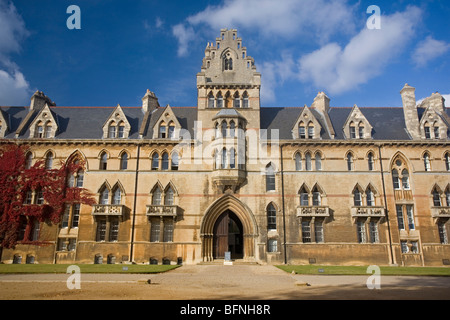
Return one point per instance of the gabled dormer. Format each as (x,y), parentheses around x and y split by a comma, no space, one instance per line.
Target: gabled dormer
(306,126)
(357,126)
(432,125)
(4,124)
(44,124)
(117,125)
(167,125)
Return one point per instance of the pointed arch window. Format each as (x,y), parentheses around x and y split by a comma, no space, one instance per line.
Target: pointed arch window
(232,158)
(39,133)
(308,164)
(318,161)
(223,128)
(436,198)
(165,161)
(370,161)
(271,217)
(301,131)
(162,130)
(370,199)
(395,179)
(237,101)
(168,197)
(245,100)
(447,196)
(426,162)
(219,100)
(121,132)
(270,177)
(124,161)
(28,160)
(232,129)
(171,133)
(316,197)
(357,199)
(405,179)
(211,100)
(156,197)
(104,196)
(155,161)
(175,161)
(447,161)
(350,162)
(117,196)
(298,161)
(304,197)
(103,161)
(112,130)
(310,131)
(80,179)
(48,130)
(224,159)
(49,161)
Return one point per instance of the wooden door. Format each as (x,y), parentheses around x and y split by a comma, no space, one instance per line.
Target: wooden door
(221,236)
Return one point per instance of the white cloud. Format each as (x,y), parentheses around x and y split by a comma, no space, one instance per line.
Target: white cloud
(339,69)
(429,49)
(316,19)
(14,89)
(184,35)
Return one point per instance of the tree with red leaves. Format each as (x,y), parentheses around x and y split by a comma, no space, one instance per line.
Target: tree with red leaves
(52,190)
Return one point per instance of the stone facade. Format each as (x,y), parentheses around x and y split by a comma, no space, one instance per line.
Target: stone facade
(317,184)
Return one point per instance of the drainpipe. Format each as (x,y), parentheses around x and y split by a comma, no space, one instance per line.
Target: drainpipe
(385,204)
(282,201)
(134,202)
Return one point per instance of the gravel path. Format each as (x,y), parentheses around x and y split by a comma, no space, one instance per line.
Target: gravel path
(220,282)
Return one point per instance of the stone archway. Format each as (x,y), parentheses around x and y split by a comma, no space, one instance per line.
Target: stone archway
(242,213)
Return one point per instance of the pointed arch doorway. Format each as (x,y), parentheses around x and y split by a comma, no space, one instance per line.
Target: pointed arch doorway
(228,236)
(228,225)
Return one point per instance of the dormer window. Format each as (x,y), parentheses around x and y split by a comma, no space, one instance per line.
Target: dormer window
(361,131)
(48,130)
(310,131)
(112,130)
(121,133)
(436,132)
(162,130)
(301,131)
(352,131)
(427,132)
(39,130)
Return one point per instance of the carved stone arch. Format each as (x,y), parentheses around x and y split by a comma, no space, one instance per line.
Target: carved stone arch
(305,187)
(171,185)
(157,184)
(106,185)
(124,151)
(372,187)
(48,151)
(358,187)
(245,216)
(319,188)
(104,151)
(80,156)
(437,188)
(400,156)
(119,185)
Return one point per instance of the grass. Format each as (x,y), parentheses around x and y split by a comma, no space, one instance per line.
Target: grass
(362,270)
(85,268)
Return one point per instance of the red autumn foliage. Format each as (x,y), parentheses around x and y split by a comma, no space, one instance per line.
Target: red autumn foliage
(16,181)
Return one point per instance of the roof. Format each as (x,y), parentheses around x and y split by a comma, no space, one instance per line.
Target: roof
(87,122)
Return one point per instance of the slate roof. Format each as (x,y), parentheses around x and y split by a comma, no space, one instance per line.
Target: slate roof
(87,122)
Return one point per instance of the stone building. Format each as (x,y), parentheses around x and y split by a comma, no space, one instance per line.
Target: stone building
(305,185)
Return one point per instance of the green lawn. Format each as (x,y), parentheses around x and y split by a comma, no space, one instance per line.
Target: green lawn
(362,270)
(85,268)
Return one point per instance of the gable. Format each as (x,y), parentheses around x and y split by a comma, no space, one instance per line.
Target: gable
(44,124)
(166,125)
(117,125)
(357,126)
(307,126)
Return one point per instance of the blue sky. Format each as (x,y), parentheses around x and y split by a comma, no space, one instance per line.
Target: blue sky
(299,46)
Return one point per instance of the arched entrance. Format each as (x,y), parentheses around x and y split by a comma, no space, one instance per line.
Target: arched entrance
(228,236)
(228,225)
